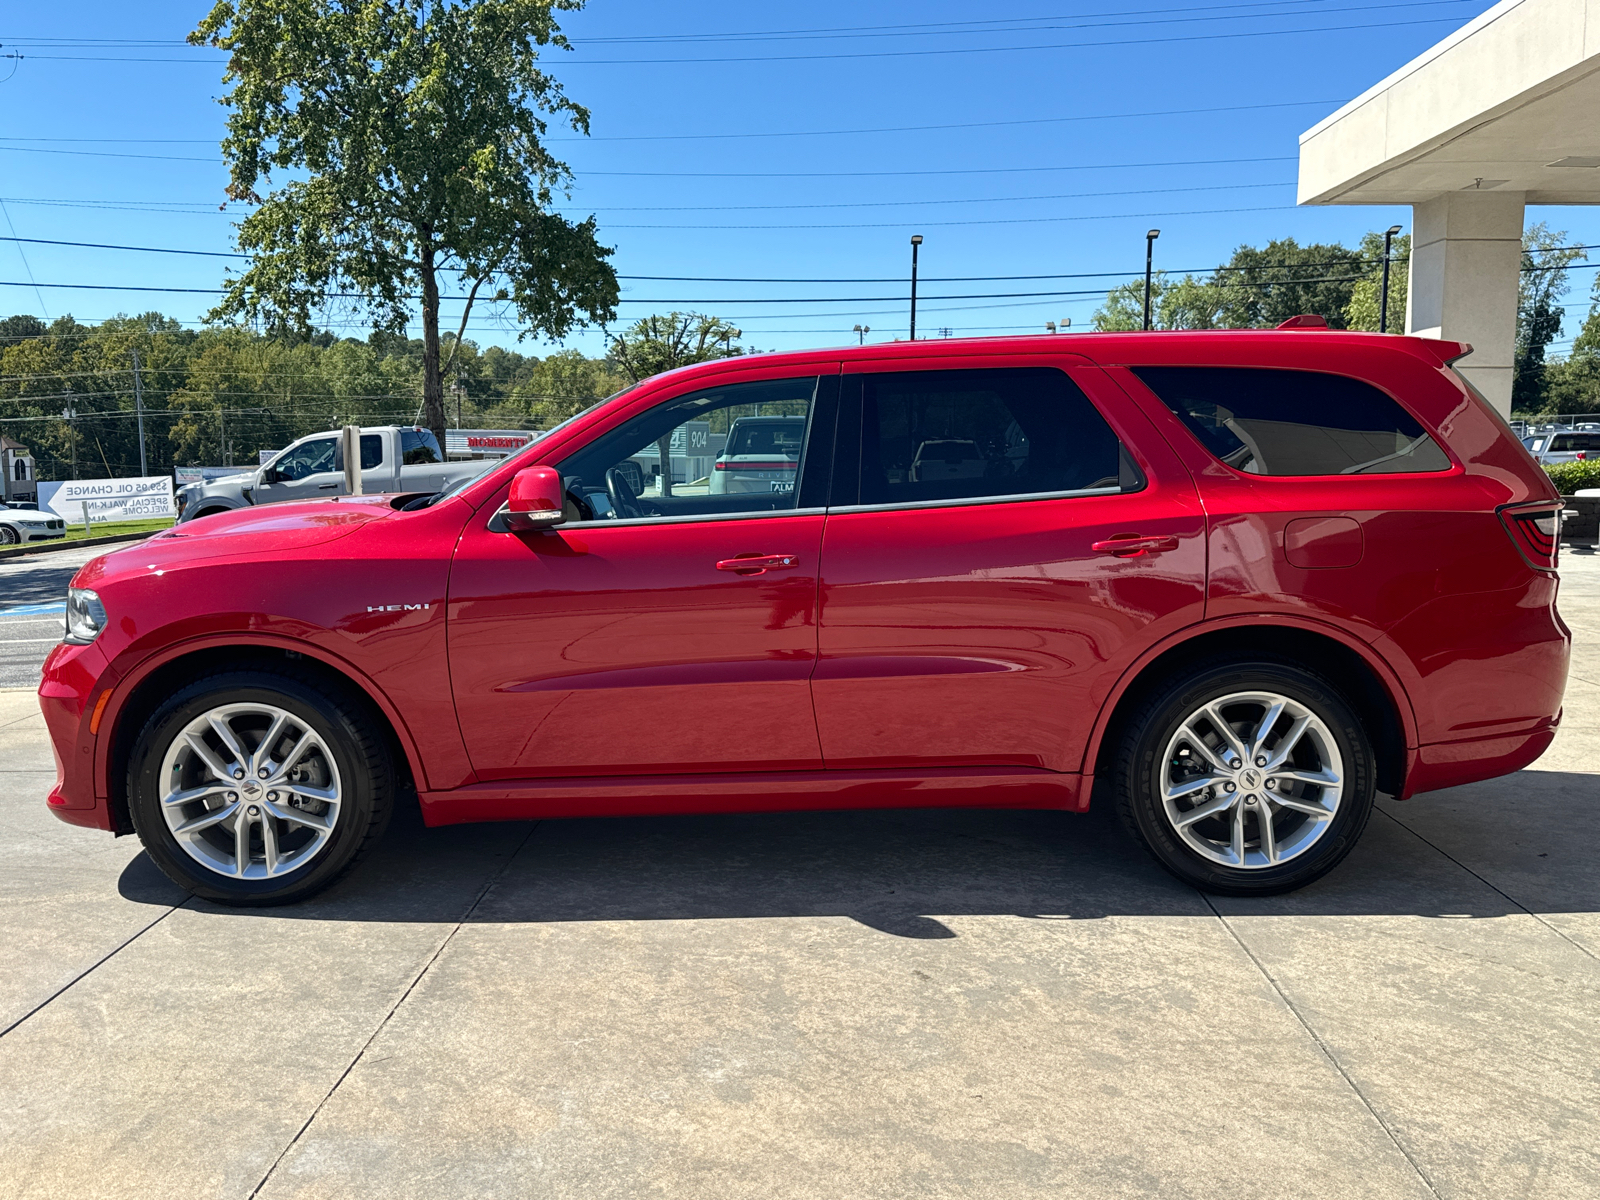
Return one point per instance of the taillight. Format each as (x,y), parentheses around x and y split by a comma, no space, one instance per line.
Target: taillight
(1536,530)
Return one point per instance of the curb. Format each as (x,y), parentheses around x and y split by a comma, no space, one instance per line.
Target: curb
(23,551)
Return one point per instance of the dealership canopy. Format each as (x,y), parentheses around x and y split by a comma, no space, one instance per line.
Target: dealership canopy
(1503,113)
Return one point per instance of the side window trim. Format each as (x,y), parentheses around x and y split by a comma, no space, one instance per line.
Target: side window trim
(970,501)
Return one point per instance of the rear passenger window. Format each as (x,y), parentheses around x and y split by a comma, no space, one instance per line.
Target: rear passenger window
(1270,422)
(956,435)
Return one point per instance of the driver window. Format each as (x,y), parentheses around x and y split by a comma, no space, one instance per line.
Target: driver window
(734,449)
(307,459)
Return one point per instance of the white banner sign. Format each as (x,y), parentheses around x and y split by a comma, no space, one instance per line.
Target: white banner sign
(487,442)
(115,499)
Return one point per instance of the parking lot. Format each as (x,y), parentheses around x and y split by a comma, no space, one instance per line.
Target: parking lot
(877,1004)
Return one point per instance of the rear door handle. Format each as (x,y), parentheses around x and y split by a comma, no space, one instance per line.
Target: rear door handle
(1132,545)
(326,487)
(758,564)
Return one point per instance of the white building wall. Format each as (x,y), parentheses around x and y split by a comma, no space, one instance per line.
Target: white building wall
(1466,251)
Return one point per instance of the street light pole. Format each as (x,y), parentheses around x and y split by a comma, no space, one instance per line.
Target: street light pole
(1149,257)
(1383,301)
(916,240)
(861,332)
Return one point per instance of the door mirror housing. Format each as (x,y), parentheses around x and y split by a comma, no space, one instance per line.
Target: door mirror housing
(536,500)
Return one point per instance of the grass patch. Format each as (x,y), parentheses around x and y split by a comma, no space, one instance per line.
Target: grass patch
(75,533)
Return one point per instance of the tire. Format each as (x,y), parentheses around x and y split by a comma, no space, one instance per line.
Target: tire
(1174,760)
(9,536)
(313,800)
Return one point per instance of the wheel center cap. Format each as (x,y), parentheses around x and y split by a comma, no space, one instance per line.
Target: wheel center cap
(250,788)
(1249,779)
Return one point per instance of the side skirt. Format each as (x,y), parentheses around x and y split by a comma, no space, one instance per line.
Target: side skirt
(638,796)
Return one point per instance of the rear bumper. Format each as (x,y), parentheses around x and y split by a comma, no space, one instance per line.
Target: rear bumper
(1450,764)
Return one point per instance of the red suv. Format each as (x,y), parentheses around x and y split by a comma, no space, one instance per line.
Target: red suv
(1248,579)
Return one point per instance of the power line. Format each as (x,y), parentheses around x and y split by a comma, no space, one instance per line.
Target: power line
(764,134)
(1142,41)
(1018,24)
(954,50)
(1192,162)
(1219,187)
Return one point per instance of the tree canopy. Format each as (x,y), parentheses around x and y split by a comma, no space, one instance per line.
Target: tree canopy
(219,396)
(414,130)
(655,344)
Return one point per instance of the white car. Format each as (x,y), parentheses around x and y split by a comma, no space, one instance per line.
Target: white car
(1563,445)
(19,526)
(762,455)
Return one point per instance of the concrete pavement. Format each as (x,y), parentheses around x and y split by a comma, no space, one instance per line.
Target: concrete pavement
(888,1004)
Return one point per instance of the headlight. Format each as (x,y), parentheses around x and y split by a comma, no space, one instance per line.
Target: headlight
(86,617)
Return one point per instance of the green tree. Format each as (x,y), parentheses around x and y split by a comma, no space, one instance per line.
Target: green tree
(655,344)
(566,383)
(1284,279)
(1366,294)
(15,329)
(418,127)
(1255,288)
(1543,282)
(1186,303)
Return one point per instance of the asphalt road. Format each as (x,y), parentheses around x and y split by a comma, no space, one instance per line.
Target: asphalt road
(784,1007)
(33,592)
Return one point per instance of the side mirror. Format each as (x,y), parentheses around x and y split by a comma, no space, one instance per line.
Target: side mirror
(535,501)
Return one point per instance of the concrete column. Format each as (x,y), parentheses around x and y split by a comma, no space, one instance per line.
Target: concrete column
(1466,252)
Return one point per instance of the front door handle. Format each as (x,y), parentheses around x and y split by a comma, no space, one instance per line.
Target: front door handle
(758,564)
(1132,545)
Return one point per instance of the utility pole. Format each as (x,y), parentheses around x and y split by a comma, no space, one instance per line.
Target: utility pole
(222,435)
(138,408)
(1383,302)
(916,240)
(70,412)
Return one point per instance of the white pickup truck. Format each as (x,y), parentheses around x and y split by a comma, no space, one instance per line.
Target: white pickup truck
(393,459)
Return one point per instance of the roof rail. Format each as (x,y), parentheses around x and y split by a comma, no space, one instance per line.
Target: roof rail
(1304,321)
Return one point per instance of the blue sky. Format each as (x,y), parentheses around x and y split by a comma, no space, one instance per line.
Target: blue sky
(1005,139)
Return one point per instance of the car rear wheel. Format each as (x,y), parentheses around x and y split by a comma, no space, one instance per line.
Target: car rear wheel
(255,788)
(1246,778)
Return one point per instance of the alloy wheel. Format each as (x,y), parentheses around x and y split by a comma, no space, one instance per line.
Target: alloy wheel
(1251,780)
(250,791)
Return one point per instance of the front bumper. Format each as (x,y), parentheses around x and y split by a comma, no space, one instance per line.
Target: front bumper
(72,679)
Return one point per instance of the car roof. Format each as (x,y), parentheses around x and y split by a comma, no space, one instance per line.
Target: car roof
(1197,345)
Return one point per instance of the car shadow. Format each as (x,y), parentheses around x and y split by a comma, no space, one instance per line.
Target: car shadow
(1447,855)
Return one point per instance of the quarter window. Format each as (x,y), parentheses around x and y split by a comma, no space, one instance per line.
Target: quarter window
(1271,422)
(958,435)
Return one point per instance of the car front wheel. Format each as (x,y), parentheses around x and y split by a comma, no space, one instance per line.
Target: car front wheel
(255,788)
(1246,778)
